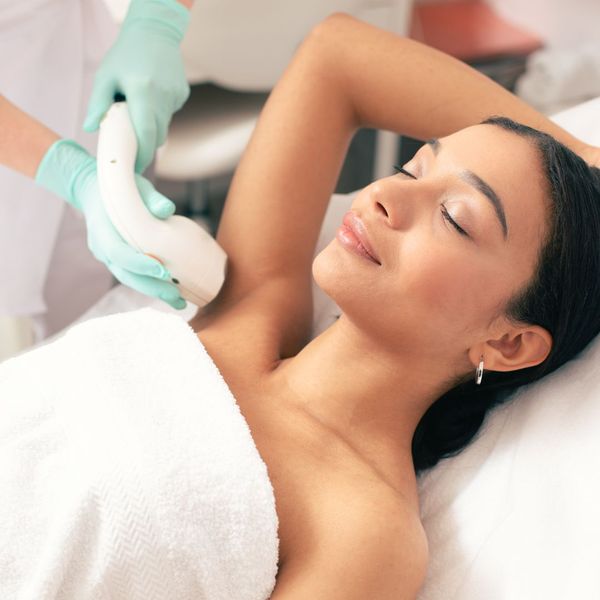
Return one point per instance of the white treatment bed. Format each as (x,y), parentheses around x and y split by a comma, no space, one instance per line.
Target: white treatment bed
(515,515)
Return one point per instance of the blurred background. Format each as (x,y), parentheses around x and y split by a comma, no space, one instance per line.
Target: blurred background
(546,51)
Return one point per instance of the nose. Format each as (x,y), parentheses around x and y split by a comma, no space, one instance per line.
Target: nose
(396,201)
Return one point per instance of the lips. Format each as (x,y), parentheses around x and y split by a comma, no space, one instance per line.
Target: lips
(357,228)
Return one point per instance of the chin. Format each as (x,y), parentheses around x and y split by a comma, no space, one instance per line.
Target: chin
(342,279)
(327,271)
(364,298)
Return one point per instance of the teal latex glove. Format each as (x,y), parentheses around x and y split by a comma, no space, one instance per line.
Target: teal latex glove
(145,66)
(70,172)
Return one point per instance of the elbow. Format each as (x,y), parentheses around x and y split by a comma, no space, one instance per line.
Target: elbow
(333,27)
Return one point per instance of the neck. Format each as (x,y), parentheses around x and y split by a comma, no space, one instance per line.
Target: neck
(372,399)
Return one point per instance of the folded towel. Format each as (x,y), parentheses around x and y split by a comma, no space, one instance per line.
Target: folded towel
(128,471)
(558,77)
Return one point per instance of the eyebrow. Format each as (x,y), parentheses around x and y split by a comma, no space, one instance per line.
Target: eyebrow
(479,184)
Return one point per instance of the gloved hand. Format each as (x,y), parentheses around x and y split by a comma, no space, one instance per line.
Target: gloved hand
(70,172)
(144,65)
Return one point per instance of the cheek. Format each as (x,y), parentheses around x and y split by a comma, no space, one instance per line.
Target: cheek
(454,291)
(433,296)
(438,282)
(324,270)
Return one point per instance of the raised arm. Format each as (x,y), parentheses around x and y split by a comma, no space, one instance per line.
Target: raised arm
(345,75)
(402,85)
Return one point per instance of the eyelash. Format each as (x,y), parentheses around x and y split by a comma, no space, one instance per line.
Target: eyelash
(399,169)
(450,220)
(445,213)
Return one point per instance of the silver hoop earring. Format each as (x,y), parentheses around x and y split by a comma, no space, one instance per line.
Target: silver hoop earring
(479,372)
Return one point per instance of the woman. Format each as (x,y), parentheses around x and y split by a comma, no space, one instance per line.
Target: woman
(463,261)
(450,248)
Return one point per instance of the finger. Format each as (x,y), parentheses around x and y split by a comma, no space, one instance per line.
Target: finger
(101,99)
(144,124)
(183,95)
(124,256)
(161,132)
(160,206)
(150,287)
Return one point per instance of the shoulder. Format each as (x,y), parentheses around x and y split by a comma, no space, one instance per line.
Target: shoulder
(370,548)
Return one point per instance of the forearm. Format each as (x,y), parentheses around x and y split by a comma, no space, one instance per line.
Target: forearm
(401,85)
(278,196)
(23,140)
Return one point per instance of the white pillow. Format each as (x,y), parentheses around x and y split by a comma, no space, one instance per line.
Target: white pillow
(516,515)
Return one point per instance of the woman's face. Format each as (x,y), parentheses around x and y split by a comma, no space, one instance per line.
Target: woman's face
(441,286)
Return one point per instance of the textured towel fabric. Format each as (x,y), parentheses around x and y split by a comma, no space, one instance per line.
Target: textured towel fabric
(127,471)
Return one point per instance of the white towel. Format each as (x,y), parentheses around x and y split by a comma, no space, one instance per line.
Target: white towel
(558,77)
(127,471)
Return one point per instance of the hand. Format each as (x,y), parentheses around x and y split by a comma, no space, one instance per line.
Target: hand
(145,66)
(69,171)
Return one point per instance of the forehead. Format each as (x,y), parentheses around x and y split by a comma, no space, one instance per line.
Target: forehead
(511,165)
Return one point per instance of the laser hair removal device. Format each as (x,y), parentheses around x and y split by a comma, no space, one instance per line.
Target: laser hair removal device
(192,256)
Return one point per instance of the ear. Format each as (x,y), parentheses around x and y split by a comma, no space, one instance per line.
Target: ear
(519,348)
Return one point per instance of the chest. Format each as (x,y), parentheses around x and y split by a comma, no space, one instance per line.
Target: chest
(313,471)
(307,467)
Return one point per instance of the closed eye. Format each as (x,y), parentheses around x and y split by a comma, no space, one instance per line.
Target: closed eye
(445,213)
(399,169)
(450,220)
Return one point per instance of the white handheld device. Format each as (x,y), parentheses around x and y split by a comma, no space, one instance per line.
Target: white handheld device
(192,256)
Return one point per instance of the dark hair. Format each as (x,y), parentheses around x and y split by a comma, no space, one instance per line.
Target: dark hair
(563,297)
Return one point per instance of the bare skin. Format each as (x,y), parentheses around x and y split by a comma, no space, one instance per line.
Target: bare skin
(23,140)
(334,418)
